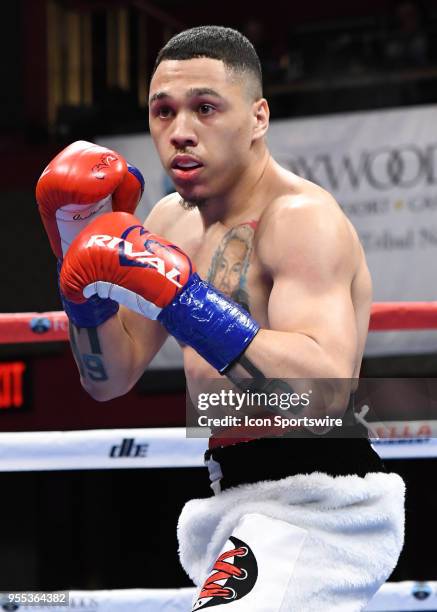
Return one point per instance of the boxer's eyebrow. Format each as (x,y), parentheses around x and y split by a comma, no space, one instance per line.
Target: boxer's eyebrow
(191,93)
(202,91)
(159,96)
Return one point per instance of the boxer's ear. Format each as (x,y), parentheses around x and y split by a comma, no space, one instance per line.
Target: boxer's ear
(261,115)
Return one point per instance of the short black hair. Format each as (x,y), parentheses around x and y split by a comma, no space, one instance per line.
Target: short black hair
(216,42)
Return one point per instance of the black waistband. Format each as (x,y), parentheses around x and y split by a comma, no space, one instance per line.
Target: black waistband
(276,458)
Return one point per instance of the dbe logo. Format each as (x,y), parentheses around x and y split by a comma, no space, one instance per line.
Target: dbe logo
(128,448)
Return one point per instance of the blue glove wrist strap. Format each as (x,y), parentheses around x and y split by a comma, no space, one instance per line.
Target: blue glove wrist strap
(91,313)
(210,322)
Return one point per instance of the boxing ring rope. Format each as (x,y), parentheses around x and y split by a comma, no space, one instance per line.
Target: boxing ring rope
(170,448)
(53,326)
(391,597)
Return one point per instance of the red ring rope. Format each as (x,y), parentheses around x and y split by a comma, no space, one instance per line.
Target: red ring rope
(53,326)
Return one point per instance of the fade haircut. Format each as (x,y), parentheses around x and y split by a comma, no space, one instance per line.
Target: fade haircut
(217,42)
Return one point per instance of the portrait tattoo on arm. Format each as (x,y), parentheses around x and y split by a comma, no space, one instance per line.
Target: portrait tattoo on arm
(230,263)
(90,364)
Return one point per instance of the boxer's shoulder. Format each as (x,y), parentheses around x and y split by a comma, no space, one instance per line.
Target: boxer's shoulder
(303,221)
(168,214)
(161,213)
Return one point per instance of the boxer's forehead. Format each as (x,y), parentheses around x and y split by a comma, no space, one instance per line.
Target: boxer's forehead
(180,77)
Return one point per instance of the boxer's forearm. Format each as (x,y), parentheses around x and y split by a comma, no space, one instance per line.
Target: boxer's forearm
(295,355)
(281,362)
(110,358)
(102,358)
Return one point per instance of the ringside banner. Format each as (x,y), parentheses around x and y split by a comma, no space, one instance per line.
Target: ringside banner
(382,169)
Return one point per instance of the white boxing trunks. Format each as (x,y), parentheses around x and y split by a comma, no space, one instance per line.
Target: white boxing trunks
(305,543)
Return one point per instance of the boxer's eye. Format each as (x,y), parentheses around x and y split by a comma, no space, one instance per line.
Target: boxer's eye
(164,112)
(206,109)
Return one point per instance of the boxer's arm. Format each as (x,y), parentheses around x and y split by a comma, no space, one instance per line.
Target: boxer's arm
(313,329)
(112,357)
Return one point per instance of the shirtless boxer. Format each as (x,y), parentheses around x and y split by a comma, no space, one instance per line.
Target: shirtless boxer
(293,526)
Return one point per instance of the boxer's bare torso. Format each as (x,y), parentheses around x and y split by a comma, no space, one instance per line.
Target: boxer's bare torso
(236,258)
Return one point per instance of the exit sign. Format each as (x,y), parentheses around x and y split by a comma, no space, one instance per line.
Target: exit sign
(14,387)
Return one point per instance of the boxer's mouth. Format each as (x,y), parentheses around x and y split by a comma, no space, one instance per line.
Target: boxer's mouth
(185,163)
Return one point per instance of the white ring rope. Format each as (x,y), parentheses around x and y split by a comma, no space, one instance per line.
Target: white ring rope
(145,448)
(392,596)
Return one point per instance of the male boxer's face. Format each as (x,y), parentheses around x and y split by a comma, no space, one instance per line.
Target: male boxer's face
(201,119)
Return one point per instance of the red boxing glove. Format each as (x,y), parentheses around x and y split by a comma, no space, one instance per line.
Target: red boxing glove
(81,182)
(116,257)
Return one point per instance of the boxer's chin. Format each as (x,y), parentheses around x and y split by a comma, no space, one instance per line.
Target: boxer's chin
(189,204)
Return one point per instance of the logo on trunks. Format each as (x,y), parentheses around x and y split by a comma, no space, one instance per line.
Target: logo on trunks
(128,257)
(106,161)
(233,576)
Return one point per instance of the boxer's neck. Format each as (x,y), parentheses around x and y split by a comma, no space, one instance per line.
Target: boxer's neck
(246,198)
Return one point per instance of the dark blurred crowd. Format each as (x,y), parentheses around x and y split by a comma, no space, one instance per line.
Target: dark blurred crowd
(385,59)
(348,64)
(347,47)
